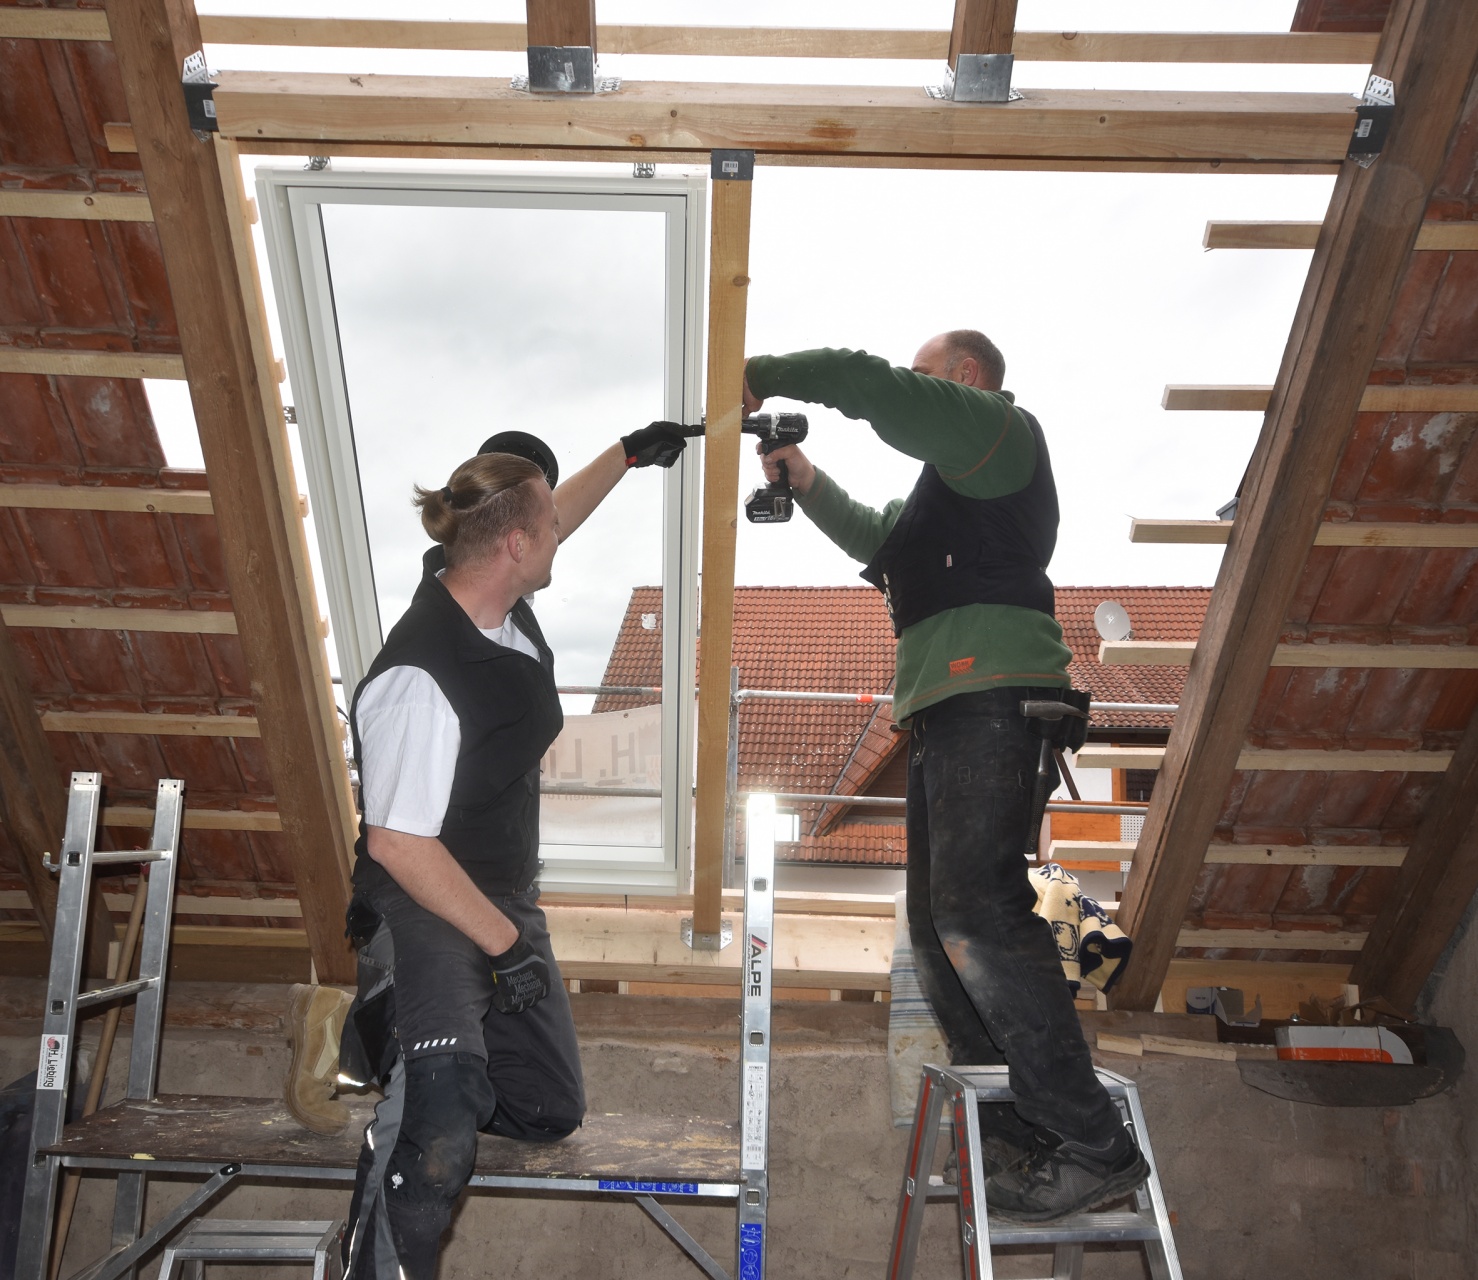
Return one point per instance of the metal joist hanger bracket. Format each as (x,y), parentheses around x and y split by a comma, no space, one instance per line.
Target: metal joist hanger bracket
(983,77)
(199,95)
(568,68)
(732,166)
(1372,121)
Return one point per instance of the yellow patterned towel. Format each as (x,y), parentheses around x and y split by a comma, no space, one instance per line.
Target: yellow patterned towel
(1092,947)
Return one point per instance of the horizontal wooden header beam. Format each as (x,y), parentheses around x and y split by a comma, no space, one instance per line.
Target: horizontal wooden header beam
(1418,398)
(215,622)
(716,41)
(1095,756)
(842,120)
(1332,533)
(1449,237)
(91,497)
(1400,657)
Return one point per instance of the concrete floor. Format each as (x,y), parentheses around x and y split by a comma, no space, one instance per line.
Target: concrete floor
(1260,1187)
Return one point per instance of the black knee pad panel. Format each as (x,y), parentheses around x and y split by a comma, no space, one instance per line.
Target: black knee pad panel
(447,1100)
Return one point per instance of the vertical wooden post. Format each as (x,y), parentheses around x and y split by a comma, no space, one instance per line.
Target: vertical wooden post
(982,26)
(233,388)
(728,295)
(561,23)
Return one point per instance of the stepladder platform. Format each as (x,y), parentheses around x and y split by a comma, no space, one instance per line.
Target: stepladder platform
(195,1131)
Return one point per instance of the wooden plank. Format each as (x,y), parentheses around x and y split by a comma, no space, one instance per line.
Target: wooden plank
(1075,125)
(118,138)
(33,805)
(91,497)
(186,904)
(1431,52)
(982,26)
(1281,985)
(1096,756)
(199,208)
(214,726)
(728,300)
(197,819)
(1431,896)
(1119,850)
(1130,1046)
(1332,533)
(1400,657)
(1181,1047)
(1379,399)
(52,24)
(877,905)
(1271,939)
(213,622)
(90,364)
(561,22)
(93,206)
(1306,855)
(1449,237)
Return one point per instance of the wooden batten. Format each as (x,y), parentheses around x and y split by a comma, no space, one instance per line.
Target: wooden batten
(150,723)
(1374,217)
(1441,237)
(1402,657)
(91,497)
(90,364)
(1412,398)
(90,206)
(728,301)
(213,622)
(1332,533)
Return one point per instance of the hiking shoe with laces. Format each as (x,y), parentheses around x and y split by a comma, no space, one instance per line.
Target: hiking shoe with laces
(1072,1177)
(315,1017)
(997,1155)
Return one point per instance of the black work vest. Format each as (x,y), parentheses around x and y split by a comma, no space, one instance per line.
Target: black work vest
(508,713)
(947,550)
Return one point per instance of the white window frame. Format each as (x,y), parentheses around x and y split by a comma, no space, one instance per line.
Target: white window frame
(290,201)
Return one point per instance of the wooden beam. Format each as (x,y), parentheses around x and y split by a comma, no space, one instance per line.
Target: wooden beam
(214,622)
(1306,855)
(199,208)
(1271,939)
(197,819)
(1448,237)
(1332,533)
(213,726)
(33,805)
(1432,893)
(1281,985)
(1070,125)
(90,364)
(1416,398)
(771,42)
(93,497)
(1096,756)
(982,26)
(1430,51)
(728,302)
(1400,657)
(561,22)
(92,206)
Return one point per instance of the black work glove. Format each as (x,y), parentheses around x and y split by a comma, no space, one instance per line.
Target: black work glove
(657,444)
(520,977)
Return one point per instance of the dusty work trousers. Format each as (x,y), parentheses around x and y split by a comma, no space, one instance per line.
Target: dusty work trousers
(461,1068)
(988,964)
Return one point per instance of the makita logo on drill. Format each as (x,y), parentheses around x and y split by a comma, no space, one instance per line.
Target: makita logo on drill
(757,947)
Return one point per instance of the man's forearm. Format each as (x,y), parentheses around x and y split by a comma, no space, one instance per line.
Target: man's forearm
(856,528)
(578,496)
(422,867)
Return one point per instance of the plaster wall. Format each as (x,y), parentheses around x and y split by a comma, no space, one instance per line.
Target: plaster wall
(1260,1187)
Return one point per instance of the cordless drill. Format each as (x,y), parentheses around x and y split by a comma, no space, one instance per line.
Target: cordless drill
(773,503)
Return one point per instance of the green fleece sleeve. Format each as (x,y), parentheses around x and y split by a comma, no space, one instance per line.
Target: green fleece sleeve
(982,447)
(856,528)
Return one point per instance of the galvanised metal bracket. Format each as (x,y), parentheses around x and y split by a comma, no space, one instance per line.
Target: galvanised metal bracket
(199,95)
(1372,121)
(560,68)
(732,166)
(977,77)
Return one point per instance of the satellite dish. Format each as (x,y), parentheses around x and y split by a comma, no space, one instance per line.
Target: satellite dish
(1112,621)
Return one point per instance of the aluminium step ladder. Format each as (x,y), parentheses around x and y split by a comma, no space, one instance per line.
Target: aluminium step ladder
(236,1241)
(960,1090)
(64,999)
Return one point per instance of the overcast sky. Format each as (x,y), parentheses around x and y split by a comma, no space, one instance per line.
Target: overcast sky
(1095,286)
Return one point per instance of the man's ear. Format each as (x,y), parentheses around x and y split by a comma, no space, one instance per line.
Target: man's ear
(967,371)
(515,544)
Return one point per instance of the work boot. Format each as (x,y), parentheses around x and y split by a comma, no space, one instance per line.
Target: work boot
(1005,1141)
(315,1016)
(1071,1177)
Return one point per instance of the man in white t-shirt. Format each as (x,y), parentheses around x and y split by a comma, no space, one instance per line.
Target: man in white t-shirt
(461,1015)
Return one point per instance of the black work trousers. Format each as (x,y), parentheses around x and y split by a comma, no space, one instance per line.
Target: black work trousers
(988,964)
(461,1068)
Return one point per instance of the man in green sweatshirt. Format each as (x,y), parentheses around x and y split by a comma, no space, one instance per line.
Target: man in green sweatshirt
(962,564)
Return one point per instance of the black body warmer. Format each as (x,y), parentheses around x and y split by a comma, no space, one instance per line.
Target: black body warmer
(509,714)
(947,550)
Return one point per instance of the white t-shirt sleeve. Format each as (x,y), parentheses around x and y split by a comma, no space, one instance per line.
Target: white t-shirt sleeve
(408,739)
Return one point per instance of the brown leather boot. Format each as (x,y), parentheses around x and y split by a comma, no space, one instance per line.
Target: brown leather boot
(315,1016)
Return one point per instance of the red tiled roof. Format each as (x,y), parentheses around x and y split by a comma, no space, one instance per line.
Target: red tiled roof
(838,639)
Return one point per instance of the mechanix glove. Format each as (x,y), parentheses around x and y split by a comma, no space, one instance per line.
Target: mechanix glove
(520,977)
(658,444)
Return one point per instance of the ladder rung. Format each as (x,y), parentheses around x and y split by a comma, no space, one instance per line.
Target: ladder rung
(101,856)
(104,994)
(1080,1228)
